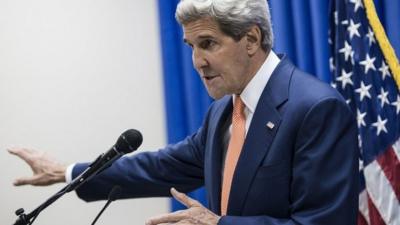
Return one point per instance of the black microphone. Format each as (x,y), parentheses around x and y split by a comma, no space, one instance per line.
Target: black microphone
(128,142)
(113,195)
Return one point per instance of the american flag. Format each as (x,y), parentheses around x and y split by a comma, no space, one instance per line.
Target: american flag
(362,75)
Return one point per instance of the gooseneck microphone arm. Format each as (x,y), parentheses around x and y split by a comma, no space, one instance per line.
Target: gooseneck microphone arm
(102,162)
(128,142)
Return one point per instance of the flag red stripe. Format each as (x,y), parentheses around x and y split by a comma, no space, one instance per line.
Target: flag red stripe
(374,216)
(391,167)
(361,220)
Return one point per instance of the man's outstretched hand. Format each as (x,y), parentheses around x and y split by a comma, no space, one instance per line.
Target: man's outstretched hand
(46,171)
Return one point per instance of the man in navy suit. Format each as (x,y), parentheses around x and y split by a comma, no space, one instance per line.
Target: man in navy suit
(298,162)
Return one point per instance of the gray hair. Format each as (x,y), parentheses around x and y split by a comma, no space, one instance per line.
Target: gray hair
(234,17)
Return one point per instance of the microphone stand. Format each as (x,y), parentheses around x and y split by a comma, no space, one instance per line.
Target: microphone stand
(28,219)
(129,141)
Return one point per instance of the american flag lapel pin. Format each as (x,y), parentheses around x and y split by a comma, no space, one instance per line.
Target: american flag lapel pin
(270,125)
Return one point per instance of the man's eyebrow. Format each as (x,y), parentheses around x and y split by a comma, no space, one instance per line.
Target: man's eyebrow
(205,36)
(200,37)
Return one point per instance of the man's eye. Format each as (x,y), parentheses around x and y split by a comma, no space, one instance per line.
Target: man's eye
(207,44)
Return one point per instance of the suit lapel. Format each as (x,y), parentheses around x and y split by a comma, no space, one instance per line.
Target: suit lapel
(260,135)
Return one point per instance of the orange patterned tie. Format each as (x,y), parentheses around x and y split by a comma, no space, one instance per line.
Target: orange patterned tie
(234,148)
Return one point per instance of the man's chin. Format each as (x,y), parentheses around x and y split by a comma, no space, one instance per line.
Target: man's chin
(215,95)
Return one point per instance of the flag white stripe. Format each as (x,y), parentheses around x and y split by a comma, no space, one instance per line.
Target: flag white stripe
(381,193)
(363,205)
(396,148)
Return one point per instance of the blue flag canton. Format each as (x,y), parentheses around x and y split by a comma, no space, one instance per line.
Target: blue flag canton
(361,74)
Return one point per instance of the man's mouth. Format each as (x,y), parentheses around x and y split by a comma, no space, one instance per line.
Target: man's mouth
(208,77)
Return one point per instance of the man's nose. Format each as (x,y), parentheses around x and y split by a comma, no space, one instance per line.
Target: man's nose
(199,59)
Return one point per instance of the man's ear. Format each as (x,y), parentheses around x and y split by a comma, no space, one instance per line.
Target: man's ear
(254,39)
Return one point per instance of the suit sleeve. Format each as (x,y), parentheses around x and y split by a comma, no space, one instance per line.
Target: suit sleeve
(324,184)
(150,174)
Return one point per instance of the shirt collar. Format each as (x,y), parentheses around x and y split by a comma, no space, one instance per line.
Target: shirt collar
(252,92)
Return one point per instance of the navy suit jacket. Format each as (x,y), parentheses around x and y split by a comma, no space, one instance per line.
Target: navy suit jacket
(303,170)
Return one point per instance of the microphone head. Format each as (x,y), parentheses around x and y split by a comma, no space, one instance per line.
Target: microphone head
(129,141)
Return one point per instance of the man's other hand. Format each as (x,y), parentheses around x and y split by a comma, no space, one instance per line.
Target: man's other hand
(46,171)
(195,214)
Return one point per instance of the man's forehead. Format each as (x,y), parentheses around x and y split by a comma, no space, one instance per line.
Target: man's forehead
(200,29)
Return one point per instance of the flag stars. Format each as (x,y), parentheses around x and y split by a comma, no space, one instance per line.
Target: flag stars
(332,66)
(357,4)
(360,142)
(364,91)
(345,78)
(368,63)
(353,29)
(360,164)
(384,69)
(335,14)
(397,104)
(383,97)
(347,51)
(360,118)
(380,125)
(370,36)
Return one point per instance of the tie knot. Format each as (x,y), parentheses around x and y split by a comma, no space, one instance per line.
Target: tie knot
(238,106)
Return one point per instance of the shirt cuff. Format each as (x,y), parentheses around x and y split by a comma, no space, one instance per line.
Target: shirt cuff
(68,173)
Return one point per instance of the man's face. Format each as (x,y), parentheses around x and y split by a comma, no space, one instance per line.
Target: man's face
(222,62)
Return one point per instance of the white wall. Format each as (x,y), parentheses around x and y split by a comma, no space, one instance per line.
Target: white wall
(73,76)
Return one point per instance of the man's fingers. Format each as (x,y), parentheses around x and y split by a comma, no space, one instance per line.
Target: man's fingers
(168,218)
(196,214)
(22,153)
(184,199)
(26,180)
